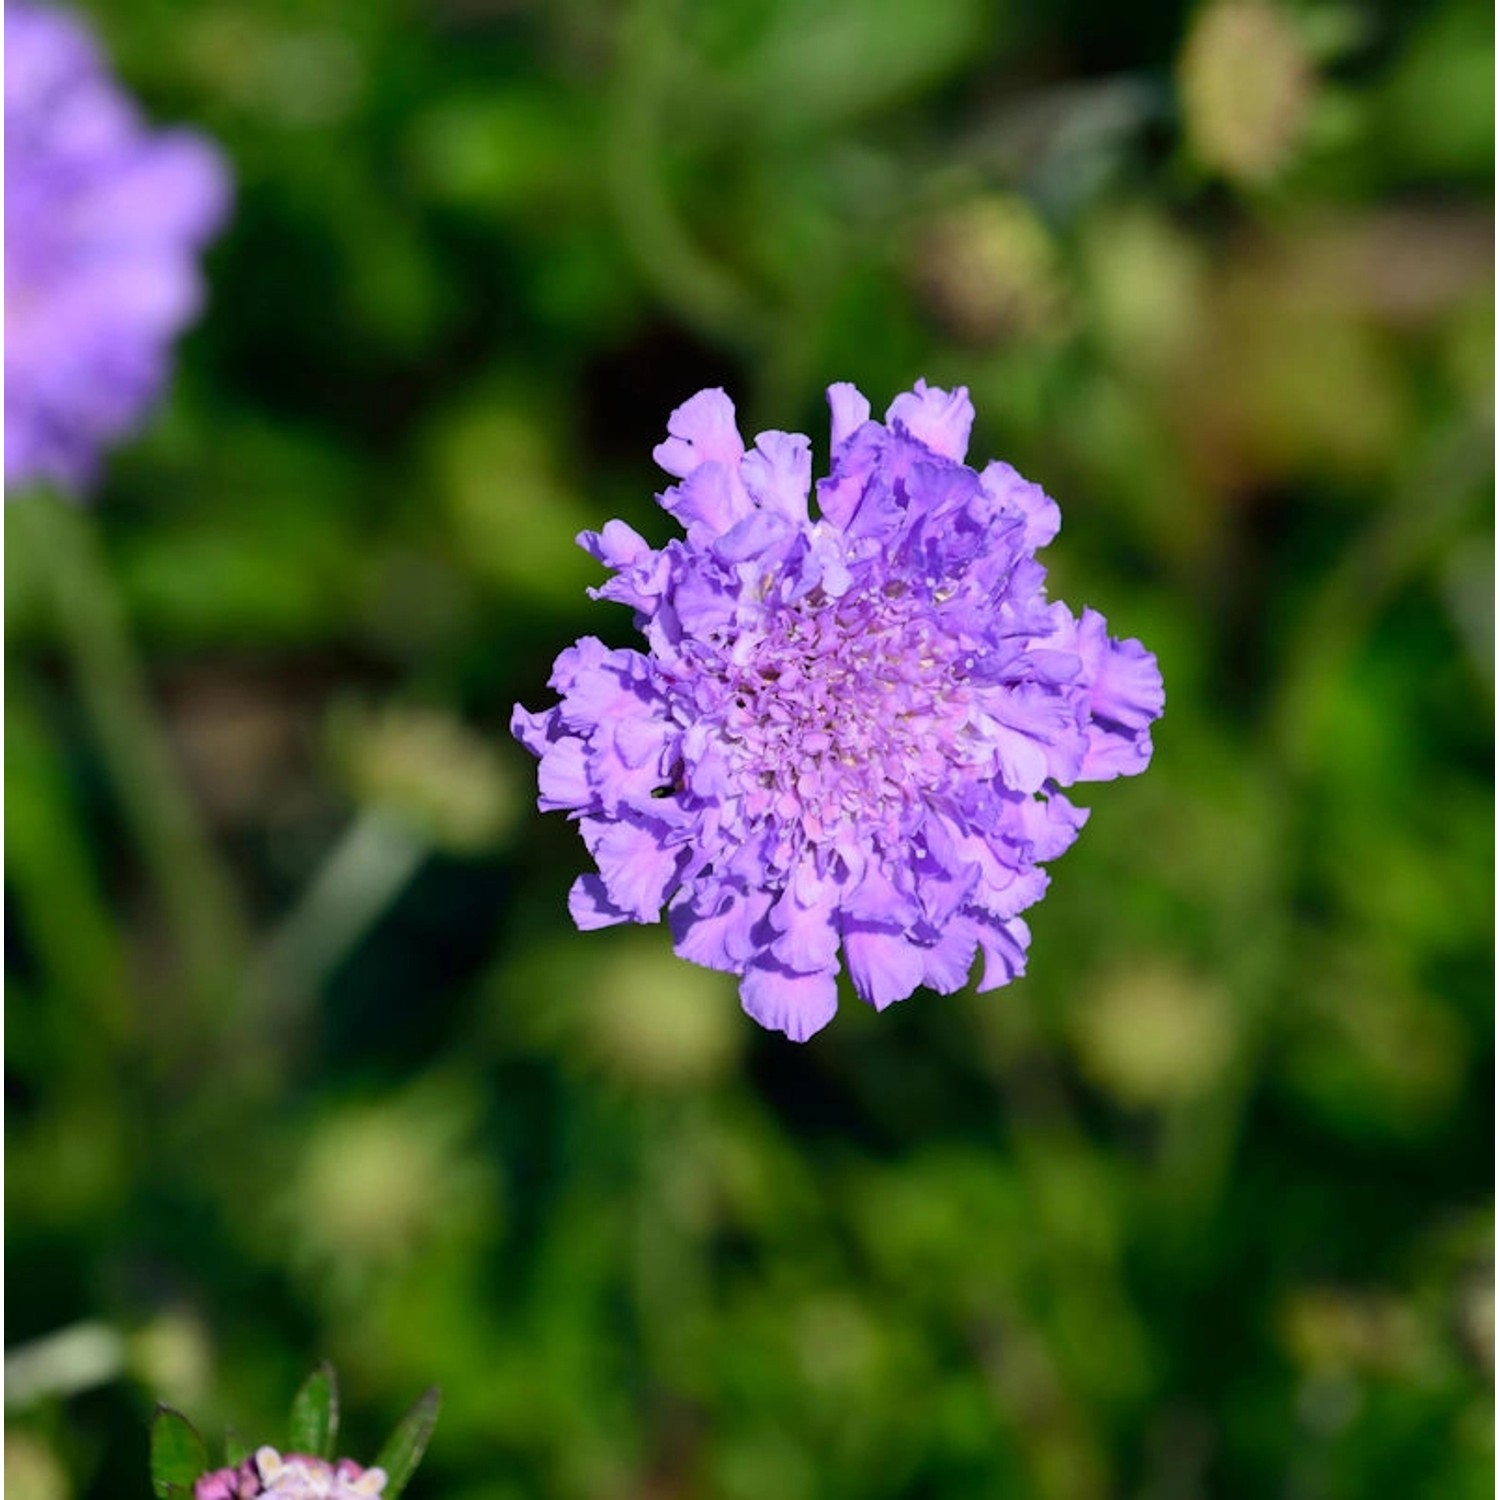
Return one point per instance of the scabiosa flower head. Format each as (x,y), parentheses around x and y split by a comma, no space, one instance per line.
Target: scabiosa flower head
(293,1476)
(846,733)
(104,220)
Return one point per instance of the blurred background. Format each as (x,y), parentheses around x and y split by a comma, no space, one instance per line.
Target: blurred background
(1203,1206)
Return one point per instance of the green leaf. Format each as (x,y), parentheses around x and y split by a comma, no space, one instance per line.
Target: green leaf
(315,1414)
(236,1450)
(178,1456)
(404,1448)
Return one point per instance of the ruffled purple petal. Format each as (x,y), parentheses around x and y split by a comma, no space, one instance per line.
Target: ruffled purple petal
(637,868)
(884,965)
(946,963)
(590,906)
(850,411)
(806,922)
(563,777)
(718,929)
(1004,947)
(1043,520)
(797,1005)
(777,472)
(708,502)
(938,419)
(616,546)
(703,431)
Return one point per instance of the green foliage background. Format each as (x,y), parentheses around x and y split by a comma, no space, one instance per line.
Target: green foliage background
(1202,1207)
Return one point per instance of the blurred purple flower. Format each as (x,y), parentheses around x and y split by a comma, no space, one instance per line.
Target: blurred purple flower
(846,731)
(104,220)
(297,1477)
(240,1483)
(293,1476)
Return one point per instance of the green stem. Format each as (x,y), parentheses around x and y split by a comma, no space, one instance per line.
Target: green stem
(49,863)
(63,550)
(366,870)
(701,292)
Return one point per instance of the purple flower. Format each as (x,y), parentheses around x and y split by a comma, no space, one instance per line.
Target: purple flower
(298,1477)
(104,220)
(239,1483)
(293,1476)
(846,733)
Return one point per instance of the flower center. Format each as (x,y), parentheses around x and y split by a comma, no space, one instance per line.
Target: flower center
(847,714)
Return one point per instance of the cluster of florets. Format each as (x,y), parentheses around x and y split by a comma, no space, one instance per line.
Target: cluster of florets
(846,733)
(292,1476)
(104,221)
